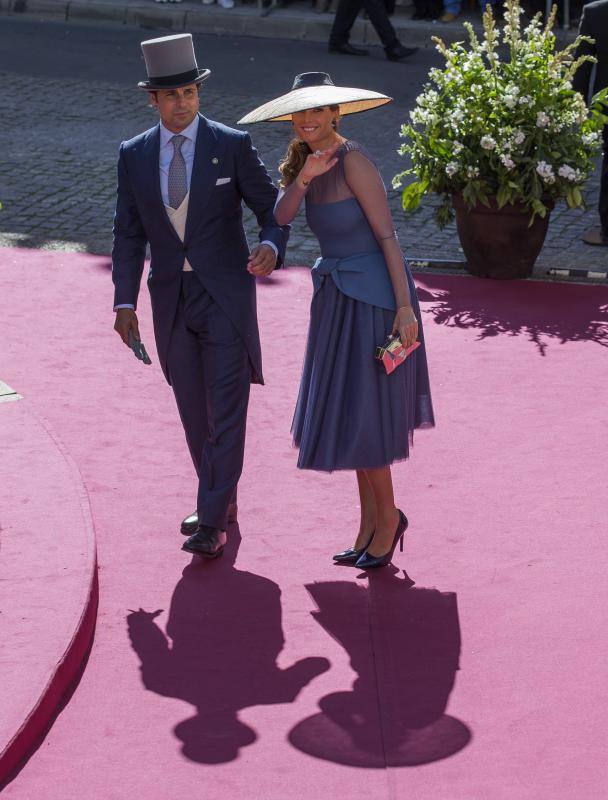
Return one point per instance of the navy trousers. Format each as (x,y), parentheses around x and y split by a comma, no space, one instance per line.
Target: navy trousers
(210,374)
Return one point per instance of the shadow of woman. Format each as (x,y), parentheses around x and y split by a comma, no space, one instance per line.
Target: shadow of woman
(404,644)
(543,312)
(224,635)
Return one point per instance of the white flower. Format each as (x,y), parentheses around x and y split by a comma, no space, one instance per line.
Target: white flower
(542,120)
(579,108)
(545,171)
(510,97)
(472,172)
(488,143)
(452,168)
(420,116)
(519,137)
(507,162)
(566,171)
(458,147)
(590,138)
(525,100)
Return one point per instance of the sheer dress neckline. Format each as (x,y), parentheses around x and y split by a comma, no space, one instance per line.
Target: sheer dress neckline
(332,187)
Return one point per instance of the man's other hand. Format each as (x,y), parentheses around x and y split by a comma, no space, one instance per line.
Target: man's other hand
(126,320)
(262,260)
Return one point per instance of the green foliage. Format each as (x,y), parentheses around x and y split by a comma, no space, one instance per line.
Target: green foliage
(511,129)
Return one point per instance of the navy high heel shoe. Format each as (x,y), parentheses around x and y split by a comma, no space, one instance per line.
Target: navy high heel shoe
(371,562)
(350,555)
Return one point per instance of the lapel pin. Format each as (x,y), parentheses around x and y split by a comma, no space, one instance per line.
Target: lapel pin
(215,161)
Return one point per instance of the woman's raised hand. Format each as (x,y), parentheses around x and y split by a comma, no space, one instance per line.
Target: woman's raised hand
(318,163)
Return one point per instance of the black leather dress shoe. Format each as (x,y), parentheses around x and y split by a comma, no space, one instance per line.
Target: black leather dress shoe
(207,542)
(348,49)
(399,53)
(190,524)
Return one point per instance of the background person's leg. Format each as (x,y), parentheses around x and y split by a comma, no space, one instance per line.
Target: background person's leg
(346,14)
(451,9)
(603,201)
(599,236)
(376,11)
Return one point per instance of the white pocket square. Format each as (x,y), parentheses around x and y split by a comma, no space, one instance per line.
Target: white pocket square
(222,181)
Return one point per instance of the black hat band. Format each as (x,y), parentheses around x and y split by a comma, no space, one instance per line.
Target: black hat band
(171,81)
(307,79)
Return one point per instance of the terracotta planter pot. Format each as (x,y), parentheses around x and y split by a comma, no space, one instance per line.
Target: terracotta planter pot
(497,242)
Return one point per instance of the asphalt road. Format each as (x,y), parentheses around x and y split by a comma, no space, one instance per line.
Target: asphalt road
(70,98)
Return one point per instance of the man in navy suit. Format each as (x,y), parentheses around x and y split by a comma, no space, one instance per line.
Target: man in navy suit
(180,188)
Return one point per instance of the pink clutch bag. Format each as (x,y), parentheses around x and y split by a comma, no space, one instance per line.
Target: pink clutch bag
(392,353)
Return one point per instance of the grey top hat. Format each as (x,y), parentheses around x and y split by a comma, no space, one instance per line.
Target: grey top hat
(171,63)
(313,89)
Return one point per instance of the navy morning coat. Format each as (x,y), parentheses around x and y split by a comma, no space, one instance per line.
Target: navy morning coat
(214,244)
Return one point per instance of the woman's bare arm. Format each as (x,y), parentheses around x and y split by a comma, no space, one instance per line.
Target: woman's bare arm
(366,184)
(289,202)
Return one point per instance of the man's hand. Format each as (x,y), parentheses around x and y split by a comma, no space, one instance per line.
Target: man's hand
(262,261)
(126,320)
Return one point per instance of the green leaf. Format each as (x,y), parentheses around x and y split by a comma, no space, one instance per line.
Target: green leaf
(570,198)
(412,194)
(503,196)
(539,208)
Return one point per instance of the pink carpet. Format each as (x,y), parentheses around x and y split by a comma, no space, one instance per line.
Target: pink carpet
(272,674)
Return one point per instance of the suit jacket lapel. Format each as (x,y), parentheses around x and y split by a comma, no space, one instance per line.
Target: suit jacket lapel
(152,172)
(205,171)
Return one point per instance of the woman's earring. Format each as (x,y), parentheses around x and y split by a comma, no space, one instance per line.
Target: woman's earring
(334,124)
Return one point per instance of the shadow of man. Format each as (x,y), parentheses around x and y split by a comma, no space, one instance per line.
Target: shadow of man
(224,635)
(404,644)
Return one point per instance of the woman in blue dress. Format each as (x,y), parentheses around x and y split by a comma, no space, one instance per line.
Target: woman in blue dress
(350,414)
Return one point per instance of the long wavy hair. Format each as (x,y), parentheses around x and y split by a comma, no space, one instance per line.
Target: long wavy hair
(294,158)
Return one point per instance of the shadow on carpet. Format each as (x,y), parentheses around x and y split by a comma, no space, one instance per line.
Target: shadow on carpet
(536,310)
(224,636)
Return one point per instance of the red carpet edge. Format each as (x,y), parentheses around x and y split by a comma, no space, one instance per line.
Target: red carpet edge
(17,744)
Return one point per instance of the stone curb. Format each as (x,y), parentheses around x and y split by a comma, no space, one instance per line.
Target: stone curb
(193,17)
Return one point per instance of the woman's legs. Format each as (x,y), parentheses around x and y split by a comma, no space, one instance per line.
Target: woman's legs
(368,511)
(387,517)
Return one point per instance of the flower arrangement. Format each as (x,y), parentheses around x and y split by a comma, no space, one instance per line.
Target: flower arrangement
(511,129)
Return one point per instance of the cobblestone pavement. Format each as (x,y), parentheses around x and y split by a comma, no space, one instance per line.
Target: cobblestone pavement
(65,113)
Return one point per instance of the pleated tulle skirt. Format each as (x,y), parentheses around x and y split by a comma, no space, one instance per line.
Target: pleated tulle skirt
(350,414)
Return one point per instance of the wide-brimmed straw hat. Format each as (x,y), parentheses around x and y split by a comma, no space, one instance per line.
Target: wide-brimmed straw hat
(314,90)
(171,63)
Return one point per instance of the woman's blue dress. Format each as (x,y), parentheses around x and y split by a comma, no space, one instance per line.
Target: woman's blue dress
(350,414)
